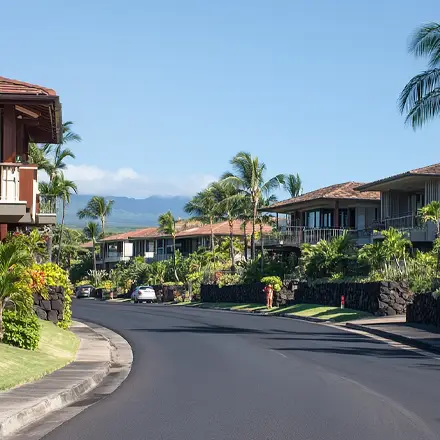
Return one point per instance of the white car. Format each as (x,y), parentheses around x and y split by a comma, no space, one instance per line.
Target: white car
(144,294)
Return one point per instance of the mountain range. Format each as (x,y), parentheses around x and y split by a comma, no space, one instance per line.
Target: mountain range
(129,213)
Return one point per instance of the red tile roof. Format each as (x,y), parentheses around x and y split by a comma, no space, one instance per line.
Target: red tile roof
(430,170)
(339,191)
(87,245)
(15,87)
(221,228)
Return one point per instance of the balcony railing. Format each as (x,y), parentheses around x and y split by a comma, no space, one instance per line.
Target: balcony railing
(298,235)
(48,204)
(9,182)
(404,222)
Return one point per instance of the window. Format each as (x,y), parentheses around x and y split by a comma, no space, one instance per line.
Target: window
(343,218)
(313,219)
(327,218)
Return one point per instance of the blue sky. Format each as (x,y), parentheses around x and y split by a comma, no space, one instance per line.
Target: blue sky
(165,92)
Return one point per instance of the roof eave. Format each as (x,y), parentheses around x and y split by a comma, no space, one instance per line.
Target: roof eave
(370,186)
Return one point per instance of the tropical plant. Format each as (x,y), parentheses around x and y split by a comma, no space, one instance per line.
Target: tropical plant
(327,258)
(373,254)
(247,176)
(97,276)
(63,189)
(13,257)
(91,232)
(245,215)
(292,184)
(97,208)
(396,247)
(167,225)
(420,99)
(204,207)
(431,213)
(71,249)
(264,220)
(274,281)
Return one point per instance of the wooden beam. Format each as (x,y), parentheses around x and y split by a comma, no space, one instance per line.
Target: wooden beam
(26,111)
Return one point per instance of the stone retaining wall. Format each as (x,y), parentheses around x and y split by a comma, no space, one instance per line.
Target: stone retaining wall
(50,309)
(379,298)
(240,293)
(425,309)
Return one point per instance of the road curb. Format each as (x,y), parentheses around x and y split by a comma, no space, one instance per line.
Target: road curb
(394,337)
(107,350)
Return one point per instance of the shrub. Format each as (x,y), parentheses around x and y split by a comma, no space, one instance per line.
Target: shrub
(21,331)
(274,281)
(229,279)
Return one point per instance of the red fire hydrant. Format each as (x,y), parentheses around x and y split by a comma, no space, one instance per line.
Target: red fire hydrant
(342,302)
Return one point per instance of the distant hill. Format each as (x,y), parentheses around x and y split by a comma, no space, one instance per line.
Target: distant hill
(129,213)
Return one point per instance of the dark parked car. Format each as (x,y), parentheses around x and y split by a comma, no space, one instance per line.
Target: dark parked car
(84,291)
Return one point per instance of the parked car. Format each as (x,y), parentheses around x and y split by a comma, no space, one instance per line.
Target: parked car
(84,291)
(144,294)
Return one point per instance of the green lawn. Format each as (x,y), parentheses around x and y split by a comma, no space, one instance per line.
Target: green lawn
(307,310)
(57,348)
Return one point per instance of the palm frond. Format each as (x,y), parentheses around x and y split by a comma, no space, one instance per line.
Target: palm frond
(424,109)
(272,184)
(292,184)
(426,42)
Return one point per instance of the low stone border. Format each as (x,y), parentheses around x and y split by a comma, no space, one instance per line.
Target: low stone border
(99,351)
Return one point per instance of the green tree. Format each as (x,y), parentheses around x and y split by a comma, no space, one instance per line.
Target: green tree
(420,99)
(204,208)
(167,225)
(97,208)
(91,232)
(248,178)
(431,213)
(12,258)
(63,189)
(292,184)
(264,220)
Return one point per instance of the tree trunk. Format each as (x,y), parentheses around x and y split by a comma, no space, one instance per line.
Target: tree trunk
(254,218)
(262,249)
(61,232)
(212,234)
(49,244)
(231,244)
(174,258)
(245,242)
(103,226)
(94,256)
(1,320)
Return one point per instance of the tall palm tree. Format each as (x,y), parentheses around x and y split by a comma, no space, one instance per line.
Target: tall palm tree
(50,157)
(431,213)
(97,208)
(263,220)
(420,99)
(248,177)
(12,257)
(292,184)
(167,225)
(229,205)
(91,232)
(63,189)
(204,208)
(245,215)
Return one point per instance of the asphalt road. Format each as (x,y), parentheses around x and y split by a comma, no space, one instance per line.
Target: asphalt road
(209,375)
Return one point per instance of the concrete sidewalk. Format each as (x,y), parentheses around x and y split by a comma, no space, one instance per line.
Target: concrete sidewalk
(397,329)
(29,403)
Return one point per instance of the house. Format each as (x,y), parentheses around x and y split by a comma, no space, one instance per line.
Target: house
(152,245)
(401,197)
(326,213)
(28,113)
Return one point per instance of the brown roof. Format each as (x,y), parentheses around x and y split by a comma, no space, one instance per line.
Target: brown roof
(430,170)
(344,191)
(221,228)
(87,245)
(15,87)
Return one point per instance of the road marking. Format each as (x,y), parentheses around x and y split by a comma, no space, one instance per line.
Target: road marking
(278,352)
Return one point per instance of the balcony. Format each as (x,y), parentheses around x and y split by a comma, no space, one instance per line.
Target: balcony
(297,235)
(410,224)
(47,210)
(115,257)
(12,209)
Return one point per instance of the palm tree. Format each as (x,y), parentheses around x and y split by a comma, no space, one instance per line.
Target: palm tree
(63,189)
(204,208)
(97,208)
(248,179)
(50,157)
(245,215)
(229,205)
(91,232)
(262,220)
(420,99)
(431,213)
(167,225)
(12,258)
(292,184)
